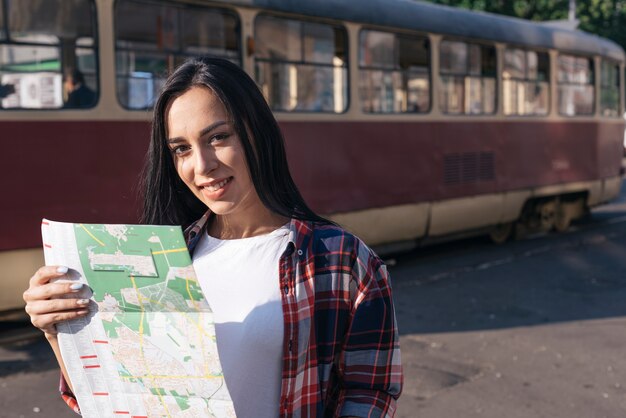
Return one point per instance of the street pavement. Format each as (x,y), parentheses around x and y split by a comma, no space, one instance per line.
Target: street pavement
(530,329)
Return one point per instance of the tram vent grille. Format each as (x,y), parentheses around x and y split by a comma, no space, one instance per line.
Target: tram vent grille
(486,166)
(452,168)
(468,167)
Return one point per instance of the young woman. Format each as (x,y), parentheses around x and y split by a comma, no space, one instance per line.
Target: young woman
(304,316)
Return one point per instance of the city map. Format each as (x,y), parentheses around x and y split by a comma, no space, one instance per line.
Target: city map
(147,347)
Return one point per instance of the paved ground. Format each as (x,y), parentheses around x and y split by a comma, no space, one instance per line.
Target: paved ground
(534,328)
(28,380)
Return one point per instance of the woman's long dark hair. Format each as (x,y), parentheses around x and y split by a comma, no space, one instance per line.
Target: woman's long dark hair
(167,200)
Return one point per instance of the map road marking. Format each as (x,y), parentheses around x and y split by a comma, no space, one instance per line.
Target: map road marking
(141,318)
(92,235)
(175,250)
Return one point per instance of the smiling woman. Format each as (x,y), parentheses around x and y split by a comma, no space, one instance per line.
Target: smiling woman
(231,97)
(305,322)
(210,160)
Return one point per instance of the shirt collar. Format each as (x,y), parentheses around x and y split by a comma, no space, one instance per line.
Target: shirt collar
(299,232)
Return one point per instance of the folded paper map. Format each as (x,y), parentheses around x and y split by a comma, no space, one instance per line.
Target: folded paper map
(147,347)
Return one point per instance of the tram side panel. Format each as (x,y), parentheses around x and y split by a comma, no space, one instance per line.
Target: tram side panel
(342,167)
(83,171)
(610,152)
(450,176)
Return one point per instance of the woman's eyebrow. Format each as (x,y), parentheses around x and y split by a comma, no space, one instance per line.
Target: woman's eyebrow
(212,126)
(202,132)
(175,140)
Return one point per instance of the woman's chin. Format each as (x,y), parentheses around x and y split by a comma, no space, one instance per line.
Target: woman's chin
(221,209)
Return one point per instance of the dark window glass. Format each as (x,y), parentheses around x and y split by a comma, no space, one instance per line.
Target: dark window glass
(152,38)
(48,54)
(468,78)
(318,43)
(377,49)
(489,61)
(394,74)
(453,57)
(610,89)
(576,85)
(525,82)
(147,26)
(301,65)
(475,60)
(3,34)
(543,67)
(210,32)
(414,53)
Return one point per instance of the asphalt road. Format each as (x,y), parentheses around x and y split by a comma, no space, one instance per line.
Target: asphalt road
(534,328)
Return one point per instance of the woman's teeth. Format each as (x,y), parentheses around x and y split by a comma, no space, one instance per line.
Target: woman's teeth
(216,187)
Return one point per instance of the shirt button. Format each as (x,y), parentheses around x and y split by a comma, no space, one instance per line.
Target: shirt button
(299,252)
(286,289)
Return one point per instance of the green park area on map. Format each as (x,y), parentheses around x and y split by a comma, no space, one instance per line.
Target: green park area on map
(138,269)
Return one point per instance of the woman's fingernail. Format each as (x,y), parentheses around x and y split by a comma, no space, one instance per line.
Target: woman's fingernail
(62,269)
(76,286)
(82,301)
(83,312)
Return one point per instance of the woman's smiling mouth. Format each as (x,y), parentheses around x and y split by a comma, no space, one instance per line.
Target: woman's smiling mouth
(215,187)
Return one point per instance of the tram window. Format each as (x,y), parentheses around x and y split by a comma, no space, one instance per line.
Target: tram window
(576,85)
(301,65)
(48,54)
(453,57)
(211,33)
(468,78)
(377,49)
(394,73)
(3,29)
(526,82)
(610,89)
(153,38)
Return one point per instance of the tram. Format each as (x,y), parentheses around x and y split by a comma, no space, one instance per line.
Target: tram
(406,122)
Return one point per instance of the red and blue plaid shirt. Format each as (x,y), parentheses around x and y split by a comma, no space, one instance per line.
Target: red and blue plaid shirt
(341,352)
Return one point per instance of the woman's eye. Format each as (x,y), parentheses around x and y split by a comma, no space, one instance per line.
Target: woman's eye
(219,137)
(179,149)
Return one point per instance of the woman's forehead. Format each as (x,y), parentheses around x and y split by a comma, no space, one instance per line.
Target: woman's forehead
(196,106)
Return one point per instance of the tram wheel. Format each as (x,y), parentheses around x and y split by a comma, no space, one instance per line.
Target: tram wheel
(547,215)
(501,233)
(562,219)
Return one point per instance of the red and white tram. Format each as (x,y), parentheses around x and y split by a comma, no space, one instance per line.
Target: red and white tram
(404,121)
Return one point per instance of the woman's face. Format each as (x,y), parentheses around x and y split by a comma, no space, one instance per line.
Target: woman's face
(209,156)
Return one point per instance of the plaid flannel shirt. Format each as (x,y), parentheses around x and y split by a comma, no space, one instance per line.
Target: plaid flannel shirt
(341,352)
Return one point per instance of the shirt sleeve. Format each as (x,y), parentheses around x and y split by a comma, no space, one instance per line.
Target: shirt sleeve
(67,395)
(370,366)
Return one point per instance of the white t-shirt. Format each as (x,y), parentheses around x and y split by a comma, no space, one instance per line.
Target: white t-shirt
(239,278)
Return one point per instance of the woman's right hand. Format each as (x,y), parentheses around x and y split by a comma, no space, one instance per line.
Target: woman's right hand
(50,303)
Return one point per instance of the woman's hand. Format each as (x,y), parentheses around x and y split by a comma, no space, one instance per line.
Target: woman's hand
(50,303)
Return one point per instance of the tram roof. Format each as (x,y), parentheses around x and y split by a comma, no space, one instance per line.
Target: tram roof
(433,18)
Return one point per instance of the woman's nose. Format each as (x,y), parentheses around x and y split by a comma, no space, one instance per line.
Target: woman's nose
(205,162)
